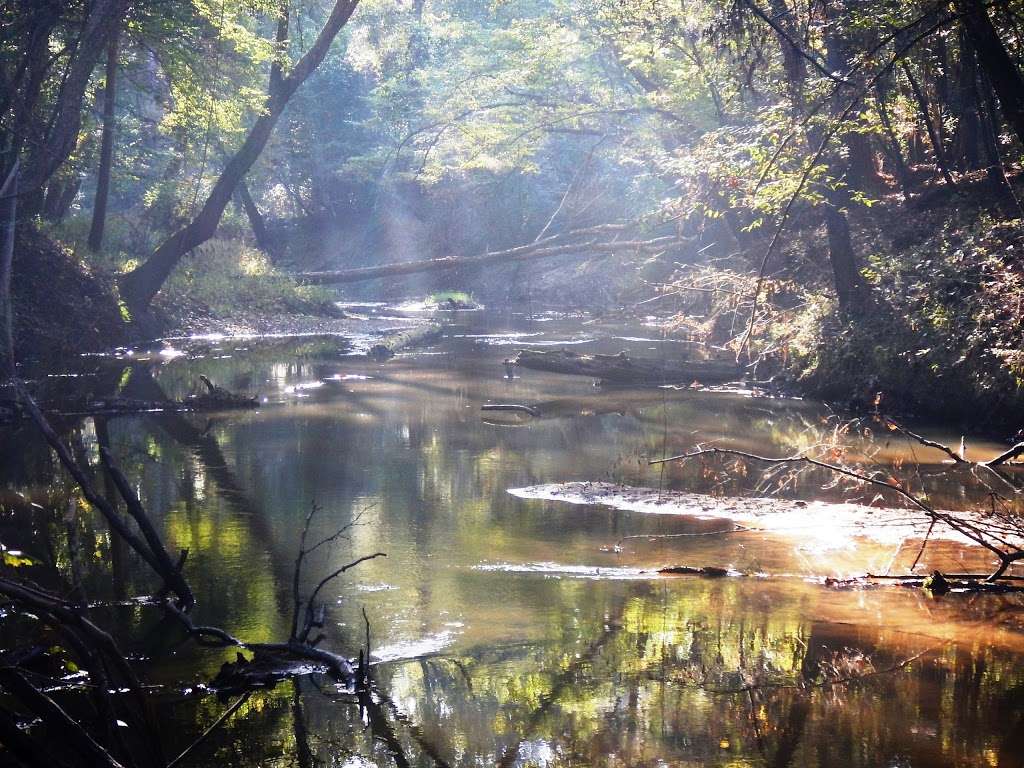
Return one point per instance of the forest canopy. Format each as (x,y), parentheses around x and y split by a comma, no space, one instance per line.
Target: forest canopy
(818,168)
(547,383)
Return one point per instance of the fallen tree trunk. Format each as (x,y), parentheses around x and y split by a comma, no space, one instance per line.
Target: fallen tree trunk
(11,411)
(542,249)
(389,346)
(622,369)
(709,571)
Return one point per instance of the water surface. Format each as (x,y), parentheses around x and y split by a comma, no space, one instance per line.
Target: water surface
(519,632)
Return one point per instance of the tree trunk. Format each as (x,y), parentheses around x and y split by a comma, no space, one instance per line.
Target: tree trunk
(66,120)
(99,209)
(996,62)
(792,61)
(18,98)
(850,288)
(1007,201)
(139,286)
(8,221)
(256,221)
(859,173)
(622,369)
(969,125)
(933,134)
(895,152)
(860,170)
(543,249)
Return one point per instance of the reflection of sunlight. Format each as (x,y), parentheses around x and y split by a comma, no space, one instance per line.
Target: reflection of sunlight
(355,761)
(535,753)
(411,649)
(821,526)
(299,389)
(373,588)
(555,570)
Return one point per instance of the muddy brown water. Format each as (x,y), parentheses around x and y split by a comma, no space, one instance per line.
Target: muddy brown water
(520,632)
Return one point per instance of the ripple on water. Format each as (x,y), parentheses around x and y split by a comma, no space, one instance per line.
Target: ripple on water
(557,570)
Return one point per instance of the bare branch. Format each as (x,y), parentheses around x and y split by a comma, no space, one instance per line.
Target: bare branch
(1005,456)
(213,726)
(54,716)
(956,457)
(986,537)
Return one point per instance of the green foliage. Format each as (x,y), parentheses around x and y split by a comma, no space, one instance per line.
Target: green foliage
(945,333)
(13,558)
(441,297)
(234,280)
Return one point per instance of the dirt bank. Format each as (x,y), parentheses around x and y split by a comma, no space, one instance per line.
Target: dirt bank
(61,309)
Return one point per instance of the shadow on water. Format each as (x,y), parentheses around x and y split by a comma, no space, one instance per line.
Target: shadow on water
(518,632)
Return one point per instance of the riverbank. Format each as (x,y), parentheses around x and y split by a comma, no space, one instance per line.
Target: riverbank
(955,354)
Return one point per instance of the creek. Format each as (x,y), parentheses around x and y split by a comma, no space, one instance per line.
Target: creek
(519,631)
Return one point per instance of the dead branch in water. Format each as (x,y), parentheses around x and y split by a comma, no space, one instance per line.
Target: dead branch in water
(56,718)
(991,537)
(1007,455)
(623,369)
(390,345)
(95,647)
(897,427)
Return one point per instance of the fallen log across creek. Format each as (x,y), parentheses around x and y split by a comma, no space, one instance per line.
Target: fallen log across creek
(622,369)
(585,243)
(390,345)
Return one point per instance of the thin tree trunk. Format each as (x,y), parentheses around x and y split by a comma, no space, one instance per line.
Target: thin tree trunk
(969,125)
(850,287)
(256,221)
(933,134)
(139,286)
(54,193)
(792,61)
(851,290)
(22,93)
(996,61)
(66,119)
(1008,203)
(68,194)
(895,153)
(99,209)
(8,221)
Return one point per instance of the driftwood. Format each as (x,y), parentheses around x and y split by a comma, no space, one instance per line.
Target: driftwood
(217,397)
(389,346)
(709,571)
(622,369)
(583,244)
(988,531)
(937,584)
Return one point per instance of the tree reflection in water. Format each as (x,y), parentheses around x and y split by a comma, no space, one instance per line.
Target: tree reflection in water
(523,667)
